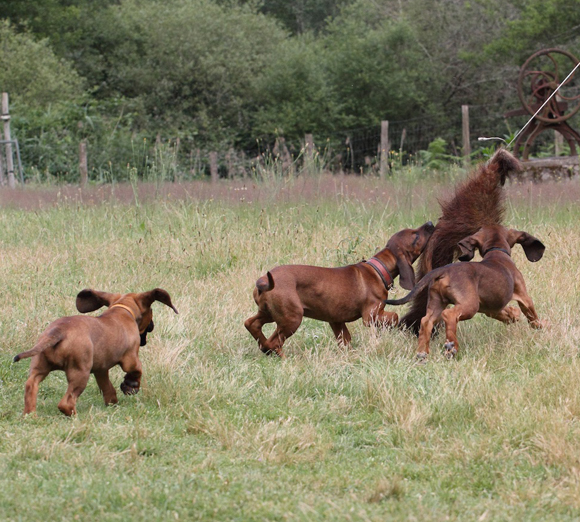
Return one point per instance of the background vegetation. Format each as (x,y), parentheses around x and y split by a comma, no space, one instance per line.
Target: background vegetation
(220,431)
(235,74)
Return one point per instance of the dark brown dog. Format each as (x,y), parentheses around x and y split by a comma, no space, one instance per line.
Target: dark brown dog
(81,345)
(486,287)
(335,295)
(477,202)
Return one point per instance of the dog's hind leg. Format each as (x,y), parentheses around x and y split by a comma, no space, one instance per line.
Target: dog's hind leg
(341,333)
(451,316)
(77,382)
(254,326)
(434,309)
(284,329)
(508,315)
(527,305)
(106,387)
(39,369)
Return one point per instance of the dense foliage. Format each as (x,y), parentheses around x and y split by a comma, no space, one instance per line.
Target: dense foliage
(221,74)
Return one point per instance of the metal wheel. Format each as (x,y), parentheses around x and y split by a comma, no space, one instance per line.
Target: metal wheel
(540,76)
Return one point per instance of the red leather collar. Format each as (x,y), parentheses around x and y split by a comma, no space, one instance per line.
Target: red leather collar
(382,270)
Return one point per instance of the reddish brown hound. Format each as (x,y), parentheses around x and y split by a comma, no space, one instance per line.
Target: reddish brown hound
(336,295)
(81,345)
(486,287)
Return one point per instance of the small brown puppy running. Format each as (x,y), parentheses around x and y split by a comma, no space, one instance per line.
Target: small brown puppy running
(486,287)
(81,345)
(335,295)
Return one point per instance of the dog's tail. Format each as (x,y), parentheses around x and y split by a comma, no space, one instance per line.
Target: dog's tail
(477,202)
(265,283)
(47,340)
(419,287)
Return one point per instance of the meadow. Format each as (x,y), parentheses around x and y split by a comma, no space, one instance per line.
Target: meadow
(221,432)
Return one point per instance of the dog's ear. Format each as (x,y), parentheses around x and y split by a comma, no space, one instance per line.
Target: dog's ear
(157,294)
(467,247)
(533,247)
(406,273)
(90,300)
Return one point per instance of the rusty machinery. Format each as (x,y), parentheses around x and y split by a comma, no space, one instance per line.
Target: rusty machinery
(539,77)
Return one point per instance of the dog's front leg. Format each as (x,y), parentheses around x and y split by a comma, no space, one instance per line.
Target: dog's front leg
(132,381)
(341,333)
(377,316)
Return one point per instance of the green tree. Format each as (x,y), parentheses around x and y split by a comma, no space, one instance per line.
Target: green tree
(31,72)
(193,70)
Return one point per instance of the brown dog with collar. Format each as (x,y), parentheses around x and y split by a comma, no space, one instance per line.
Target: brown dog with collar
(486,287)
(81,345)
(337,296)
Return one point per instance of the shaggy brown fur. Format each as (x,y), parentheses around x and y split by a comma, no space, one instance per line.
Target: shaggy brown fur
(477,202)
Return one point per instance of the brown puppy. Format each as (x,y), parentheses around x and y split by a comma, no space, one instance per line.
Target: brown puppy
(81,345)
(335,295)
(486,287)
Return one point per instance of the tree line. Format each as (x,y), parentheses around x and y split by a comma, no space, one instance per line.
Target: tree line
(223,74)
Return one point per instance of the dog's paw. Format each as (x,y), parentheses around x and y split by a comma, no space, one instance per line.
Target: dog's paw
(129,387)
(450,350)
(421,358)
(540,324)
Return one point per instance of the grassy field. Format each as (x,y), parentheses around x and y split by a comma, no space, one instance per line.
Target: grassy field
(220,431)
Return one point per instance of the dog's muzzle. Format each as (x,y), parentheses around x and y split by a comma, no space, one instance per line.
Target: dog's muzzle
(149,328)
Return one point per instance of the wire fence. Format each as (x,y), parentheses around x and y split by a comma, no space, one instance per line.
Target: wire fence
(359,150)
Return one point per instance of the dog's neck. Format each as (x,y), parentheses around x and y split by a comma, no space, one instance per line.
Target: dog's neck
(499,249)
(124,307)
(384,267)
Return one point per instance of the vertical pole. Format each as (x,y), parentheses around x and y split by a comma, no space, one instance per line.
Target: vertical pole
(9,158)
(2,179)
(230,163)
(213,166)
(558,143)
(83,169)
(309,152)
(465,133)
(385,147)
(403,136)
(175,160)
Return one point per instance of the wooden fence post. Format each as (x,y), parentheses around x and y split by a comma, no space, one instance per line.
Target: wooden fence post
(385,148)
(213,166)
(83,169)
(465,134)
(230,163)
(8,139)
(309,152)
(403,136)
(2,179)
(558,143)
